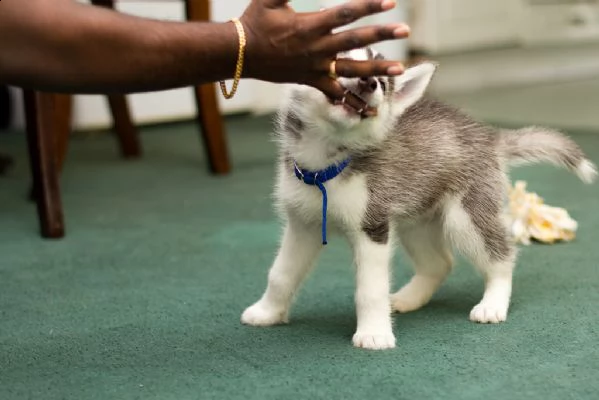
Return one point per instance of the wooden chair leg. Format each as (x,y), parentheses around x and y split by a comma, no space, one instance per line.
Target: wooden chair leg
(62,117)
(123,126)
(212,127)
(209,116)
(39,108)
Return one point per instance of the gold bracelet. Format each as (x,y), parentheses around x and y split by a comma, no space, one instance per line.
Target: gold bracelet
(240,57)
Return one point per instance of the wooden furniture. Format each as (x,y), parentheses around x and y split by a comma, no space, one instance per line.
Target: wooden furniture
(48,121)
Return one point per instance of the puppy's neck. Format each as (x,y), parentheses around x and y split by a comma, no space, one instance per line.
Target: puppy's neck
(314,152)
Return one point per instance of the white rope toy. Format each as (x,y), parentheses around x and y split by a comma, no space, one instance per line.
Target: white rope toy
(529,218)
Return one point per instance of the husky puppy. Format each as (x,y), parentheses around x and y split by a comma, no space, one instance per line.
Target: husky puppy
(420,173)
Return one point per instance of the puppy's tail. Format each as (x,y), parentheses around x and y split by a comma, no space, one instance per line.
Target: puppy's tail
(534,144)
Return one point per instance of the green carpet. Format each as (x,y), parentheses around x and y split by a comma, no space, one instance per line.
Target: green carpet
(142,299)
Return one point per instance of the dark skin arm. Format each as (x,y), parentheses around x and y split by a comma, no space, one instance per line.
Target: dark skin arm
(64,46)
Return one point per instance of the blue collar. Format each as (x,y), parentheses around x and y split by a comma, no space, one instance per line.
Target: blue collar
(318,178)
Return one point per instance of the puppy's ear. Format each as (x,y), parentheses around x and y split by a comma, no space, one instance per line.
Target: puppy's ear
(411,85)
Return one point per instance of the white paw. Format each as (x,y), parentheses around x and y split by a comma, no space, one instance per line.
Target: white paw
(374,341)
(261,314)
(414,294)
(489,312)
(403,301)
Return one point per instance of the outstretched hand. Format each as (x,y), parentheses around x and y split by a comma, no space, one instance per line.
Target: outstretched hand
(300,47)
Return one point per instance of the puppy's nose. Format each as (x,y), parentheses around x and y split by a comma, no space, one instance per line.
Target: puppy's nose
(368,85)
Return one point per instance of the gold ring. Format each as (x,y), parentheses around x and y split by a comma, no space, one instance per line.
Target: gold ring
(333,70)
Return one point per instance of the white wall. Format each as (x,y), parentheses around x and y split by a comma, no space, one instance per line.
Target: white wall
(450,26)
(445,26)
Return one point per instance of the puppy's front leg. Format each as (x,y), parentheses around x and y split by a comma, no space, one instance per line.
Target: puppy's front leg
(297,256)
(374,330)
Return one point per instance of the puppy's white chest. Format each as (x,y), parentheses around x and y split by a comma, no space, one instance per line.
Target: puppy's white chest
(347,199)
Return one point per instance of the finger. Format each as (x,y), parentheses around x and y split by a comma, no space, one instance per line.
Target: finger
(335,17)
(335,91)
(354,69)
(360,37)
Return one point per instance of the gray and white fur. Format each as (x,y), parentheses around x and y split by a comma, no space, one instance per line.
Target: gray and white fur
(422,174)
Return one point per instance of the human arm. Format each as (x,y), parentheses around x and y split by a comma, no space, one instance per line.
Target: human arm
(64,46)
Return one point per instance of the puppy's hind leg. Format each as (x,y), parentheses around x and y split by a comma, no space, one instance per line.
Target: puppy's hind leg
(432,261)
(477,229)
